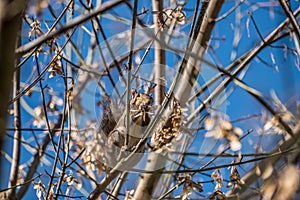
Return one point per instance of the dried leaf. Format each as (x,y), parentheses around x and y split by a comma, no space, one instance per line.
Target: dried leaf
(217,176)
(40,189)
(217,195)
(167,16)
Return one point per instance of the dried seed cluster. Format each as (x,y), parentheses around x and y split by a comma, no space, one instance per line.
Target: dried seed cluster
(218,194)
(167,16)
(171,127)
(235,178)
(189,186)
(272,124)
(140,107)
(219,127)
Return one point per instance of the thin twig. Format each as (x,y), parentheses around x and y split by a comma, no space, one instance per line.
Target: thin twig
(75,22)
(110,51)
(256,27)
(251,176)
(243,64)
(51,29)
(275,154)
(229,11)
(36,160)
(61,137)
(128,83)
(37,79)
(103,57)
(291,16)
(21,184)
(44,102)
(66,147)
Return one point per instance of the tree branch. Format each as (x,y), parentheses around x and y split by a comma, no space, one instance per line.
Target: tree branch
(147,183)
(292,17)
(37,159)
(192,68)
(10,23)
(241,66)
(252,176)
(14,169)
(75,22)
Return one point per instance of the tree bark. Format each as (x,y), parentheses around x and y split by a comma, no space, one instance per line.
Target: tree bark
(14,169)
(148,182)
(10,21)
(193,65)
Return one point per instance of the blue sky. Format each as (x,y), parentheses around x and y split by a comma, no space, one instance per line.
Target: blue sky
(281,75)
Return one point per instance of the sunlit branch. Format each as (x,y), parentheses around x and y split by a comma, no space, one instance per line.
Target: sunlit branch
(243,63)
(14,169)
(103,57)
(66,150)
(21,184)
(276,154)
(252,176)
(118,185)
(44,101)
(49,31)
(226,14)
(37,79)
(36,160)
(291,16)
(75,22)
(60,139)
(147,184)
(128,81)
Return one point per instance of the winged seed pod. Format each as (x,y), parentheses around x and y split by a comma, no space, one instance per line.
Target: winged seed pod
(170,129)
(219,127)
(167,16)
